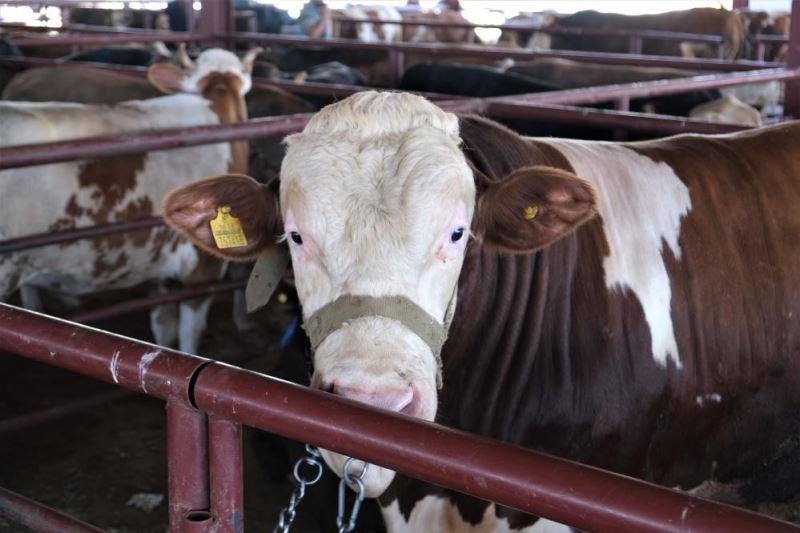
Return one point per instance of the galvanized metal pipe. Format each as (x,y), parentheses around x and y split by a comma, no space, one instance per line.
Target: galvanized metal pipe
(39,518)
(577,495)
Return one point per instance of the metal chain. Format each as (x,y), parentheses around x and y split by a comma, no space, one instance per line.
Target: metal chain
(357,481)
(289,512)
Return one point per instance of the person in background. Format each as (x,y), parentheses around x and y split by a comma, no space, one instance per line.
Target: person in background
(173,17)
(314,20)
(452,5)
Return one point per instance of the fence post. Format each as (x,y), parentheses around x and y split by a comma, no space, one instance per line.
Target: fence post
(225,475)
(187,465)
(635,44)
(792,95)
(396,66)
(216,21)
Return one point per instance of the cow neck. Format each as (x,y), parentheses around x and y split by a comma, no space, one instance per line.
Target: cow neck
(508,303)
(223,91)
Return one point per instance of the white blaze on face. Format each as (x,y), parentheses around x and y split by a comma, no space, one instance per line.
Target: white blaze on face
(216,60)
(372,192)
(642,203)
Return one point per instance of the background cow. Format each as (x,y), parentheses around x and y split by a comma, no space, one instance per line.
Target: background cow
(700,20)
(102,190)
(630,306)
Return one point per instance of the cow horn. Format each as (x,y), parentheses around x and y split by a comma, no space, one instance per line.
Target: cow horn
(250,56)
(184,58)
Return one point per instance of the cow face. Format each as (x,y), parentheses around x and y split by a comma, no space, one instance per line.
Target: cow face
(194,76)
(377,200)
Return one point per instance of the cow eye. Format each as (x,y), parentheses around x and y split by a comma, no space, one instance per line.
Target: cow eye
(296,238)
(457,234)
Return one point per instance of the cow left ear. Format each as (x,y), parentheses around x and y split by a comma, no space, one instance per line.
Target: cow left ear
(165,77)
(232,216)
(533,207)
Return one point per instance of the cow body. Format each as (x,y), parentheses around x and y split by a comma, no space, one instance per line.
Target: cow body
(631,306)
(569,74)
(483,81)
(381,30)
(79,84)
(103,190)
(136,56)
(700,20)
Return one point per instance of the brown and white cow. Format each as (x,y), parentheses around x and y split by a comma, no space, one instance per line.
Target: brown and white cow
(103,190)
(633,306)
(699,20)
(380,31)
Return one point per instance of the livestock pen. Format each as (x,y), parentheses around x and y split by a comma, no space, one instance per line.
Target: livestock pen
(207,401)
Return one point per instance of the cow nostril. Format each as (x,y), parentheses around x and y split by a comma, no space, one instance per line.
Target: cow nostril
(386,398)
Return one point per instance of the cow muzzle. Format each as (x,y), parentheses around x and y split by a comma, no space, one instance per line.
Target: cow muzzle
(387,389)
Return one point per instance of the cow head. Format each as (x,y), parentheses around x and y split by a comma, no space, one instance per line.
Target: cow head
(377,200)
(196,76)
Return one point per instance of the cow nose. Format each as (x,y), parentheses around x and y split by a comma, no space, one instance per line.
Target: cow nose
(389,398)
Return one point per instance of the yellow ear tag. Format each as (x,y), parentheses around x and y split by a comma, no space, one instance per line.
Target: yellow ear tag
(530,212)
(227,230)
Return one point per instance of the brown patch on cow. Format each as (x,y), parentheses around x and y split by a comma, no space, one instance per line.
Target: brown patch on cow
(73,211)
(739,250)
(161,237)
(112,178)
(101,267)
(140,208)
(222,90)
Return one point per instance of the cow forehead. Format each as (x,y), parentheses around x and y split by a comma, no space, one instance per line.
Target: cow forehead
(378,208)
(216,60)
(408,172)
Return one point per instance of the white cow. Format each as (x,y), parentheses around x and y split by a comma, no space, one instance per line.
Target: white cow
(97,191)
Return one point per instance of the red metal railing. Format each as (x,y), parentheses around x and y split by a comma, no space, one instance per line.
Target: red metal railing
(205,479)
(635,37)
(397,51)
(138,142)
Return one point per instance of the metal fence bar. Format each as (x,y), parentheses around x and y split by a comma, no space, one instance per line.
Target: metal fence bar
(138,142)
(599,32)
(145,141)
(141,304)
(38,517)
(502,53)
(604,93)
(557,489)
(188,484)
(226,467)
(38,42)
(608,119)
(58,237)
(62,409)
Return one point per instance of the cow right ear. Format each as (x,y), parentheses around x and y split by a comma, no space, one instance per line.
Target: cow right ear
(232,216)
(533,207)
(165,77)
